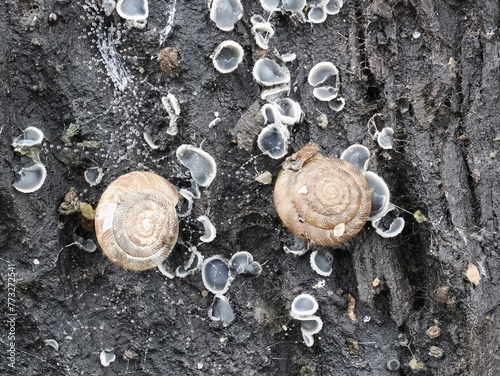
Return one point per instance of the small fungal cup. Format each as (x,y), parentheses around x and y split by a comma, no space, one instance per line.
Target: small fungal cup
(227,56)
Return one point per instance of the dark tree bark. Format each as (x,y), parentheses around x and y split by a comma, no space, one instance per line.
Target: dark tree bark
(428,69)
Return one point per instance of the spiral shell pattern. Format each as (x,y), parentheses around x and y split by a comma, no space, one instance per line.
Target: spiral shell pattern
(136,223)
(324,200)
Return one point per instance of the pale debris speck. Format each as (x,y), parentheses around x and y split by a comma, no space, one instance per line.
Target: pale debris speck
(303,190)
(473,275)
(265,178)
(36,262)
(339,229)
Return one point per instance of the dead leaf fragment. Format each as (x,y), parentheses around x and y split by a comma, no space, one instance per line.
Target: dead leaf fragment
(473,275)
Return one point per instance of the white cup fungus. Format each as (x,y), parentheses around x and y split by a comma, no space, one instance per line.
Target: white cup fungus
(225,13)
(201,164)
(31,178)
(133,10)
(357,155)
(273,140)
(316,15)
(268,73)
(227,56)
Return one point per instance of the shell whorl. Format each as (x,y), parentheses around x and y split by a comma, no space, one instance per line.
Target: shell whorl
(136,223)
(324,200)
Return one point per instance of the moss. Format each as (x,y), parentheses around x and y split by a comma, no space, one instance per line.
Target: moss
(306,371)
(87,211)
(420,217)
(91,144)
(71,131)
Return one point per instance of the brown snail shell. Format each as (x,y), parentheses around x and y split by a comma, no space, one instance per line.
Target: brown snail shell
(324,200)
(135,221)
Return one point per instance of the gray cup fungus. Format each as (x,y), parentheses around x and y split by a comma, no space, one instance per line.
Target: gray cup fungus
(201,164)
(324,77)
(216,275)
(268,73)
(303,308)
(133,10)
(273,140)
(227,56)
(323,200)
(31,178)
(225,13)
(135,221)
(358,155)
(30,140)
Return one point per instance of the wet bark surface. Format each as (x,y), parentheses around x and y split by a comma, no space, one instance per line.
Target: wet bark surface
(428,69)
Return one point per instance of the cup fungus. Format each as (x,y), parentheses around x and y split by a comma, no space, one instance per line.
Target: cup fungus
(385,138)
(293,5)
(242,262)
(93,175)
(303,306)
(273,140)
(108,6)
(32,178)
(262,31)
(192,265)
(216,275)
(395,227)
(299,247)
(173,108)
(290,111)
(29,141)
(221,310)
(185,204)
(333,6)
(380,196)
(135,221)
(337,104)
(268,73)
(358,155)
(323,200)
(210,232)
(227,56)
(316,15)
(311,325)
(321,262)
(107,357)
(327,75)
(201,165)
(270,5)
(133,10)
(270,113)
(225,13)
(52,343)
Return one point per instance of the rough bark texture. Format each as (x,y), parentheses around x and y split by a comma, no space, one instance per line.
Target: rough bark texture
(430,68)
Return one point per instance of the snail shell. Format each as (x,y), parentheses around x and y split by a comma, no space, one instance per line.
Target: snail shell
(321,199)
(135,221)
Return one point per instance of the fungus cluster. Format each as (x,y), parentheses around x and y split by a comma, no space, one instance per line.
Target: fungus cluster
(262,31)
(386,227)
(217,275)
(33,173)
(303,308)
(324,77)
(273,139)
